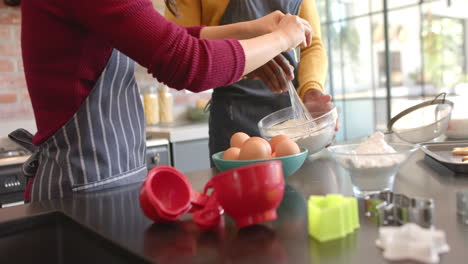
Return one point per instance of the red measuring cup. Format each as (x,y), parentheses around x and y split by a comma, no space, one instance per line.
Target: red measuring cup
(166,195)
(250,194)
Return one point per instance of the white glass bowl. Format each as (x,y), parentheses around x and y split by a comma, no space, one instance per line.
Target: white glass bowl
(314,135)
(371,173)
(422,122)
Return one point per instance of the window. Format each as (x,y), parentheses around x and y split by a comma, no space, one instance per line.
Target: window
(420,46)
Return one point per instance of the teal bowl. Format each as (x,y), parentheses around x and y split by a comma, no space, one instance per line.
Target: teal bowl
(291,163)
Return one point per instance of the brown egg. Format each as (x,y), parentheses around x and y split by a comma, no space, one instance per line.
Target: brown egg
(275,140)
(254,150)
(273,155)
(263,141)
(238,139)
(286,148)
(231,154)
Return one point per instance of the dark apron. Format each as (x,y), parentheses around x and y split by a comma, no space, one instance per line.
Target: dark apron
(239,107)
(101,146)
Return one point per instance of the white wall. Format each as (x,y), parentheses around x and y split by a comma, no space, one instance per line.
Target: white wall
(8,126)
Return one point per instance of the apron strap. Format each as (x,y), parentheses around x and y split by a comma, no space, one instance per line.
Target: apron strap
(24,138)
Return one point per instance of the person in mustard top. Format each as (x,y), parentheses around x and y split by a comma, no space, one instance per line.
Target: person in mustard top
(239,107)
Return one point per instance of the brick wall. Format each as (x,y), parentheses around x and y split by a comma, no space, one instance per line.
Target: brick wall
(14,98)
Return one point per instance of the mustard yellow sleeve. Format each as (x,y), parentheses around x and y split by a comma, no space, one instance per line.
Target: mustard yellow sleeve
(188,13)
(314,64)
(198,12)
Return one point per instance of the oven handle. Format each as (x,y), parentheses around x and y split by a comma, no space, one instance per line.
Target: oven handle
(156,159)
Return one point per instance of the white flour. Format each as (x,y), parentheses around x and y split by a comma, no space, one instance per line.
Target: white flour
(372,170)
(316,141)
(293,128)
(375,144)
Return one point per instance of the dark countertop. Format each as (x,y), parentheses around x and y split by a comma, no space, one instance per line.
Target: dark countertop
(116,215)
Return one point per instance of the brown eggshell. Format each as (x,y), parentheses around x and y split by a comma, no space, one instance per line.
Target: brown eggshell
(231,154)
(275,140)
(286,148)
(254,150)
(238,139)
(263,141)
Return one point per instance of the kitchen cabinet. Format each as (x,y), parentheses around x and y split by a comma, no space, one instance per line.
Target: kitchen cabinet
(157,153)
(188,143)
(191,155)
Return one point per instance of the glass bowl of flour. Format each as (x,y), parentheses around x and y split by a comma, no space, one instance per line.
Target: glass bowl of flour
(372,164)
(314,135)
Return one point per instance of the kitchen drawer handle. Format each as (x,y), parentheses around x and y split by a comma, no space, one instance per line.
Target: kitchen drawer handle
(156,159)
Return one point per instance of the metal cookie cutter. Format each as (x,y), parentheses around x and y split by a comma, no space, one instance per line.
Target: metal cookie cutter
(462,205)
(397,209)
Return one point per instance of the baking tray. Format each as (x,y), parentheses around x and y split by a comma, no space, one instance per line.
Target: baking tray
(442,153)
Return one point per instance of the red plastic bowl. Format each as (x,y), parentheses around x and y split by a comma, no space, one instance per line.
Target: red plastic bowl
(250,194)
(165,194)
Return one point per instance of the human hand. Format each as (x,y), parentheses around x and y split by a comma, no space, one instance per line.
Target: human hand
(318,103)
(294,31)
(275,74)
(266,24)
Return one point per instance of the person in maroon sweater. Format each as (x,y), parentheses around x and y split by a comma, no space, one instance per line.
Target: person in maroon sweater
(78,58)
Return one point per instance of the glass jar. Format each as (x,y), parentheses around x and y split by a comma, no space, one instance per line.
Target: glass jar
(166,103)
(151,105)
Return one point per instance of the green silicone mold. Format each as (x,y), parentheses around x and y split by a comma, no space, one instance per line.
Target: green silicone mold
(332,216)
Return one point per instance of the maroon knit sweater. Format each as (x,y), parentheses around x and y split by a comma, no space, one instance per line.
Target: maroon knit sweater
(66,45)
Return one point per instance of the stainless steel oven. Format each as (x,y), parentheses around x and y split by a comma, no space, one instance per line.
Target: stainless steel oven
(12,185)
(157,153)
(12,181)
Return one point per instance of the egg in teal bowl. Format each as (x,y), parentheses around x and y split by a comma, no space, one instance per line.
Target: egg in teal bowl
(290,163)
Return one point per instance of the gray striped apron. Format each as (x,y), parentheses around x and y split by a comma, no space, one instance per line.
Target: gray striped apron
(101,146)
(239,107)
